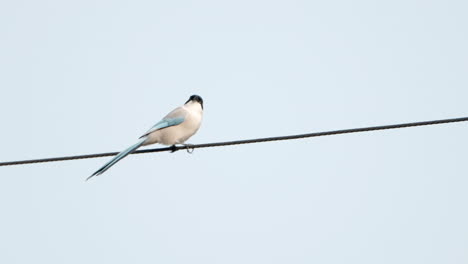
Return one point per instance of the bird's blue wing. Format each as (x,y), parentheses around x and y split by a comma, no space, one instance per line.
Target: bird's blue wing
(165,122)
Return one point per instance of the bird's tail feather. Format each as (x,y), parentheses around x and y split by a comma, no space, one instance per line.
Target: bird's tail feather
(118,157)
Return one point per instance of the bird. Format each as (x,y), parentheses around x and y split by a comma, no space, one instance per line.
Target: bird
(175,128)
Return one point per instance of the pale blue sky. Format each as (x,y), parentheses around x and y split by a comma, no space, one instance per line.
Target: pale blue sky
(81,77)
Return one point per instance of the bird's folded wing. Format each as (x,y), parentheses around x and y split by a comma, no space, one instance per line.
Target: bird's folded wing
(172,119)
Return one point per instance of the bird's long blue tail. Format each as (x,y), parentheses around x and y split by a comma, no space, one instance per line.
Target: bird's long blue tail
(118,157)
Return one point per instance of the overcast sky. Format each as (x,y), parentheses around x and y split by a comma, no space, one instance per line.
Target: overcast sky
(82,77)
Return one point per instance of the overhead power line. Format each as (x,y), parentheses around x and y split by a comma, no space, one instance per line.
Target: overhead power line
(247,141)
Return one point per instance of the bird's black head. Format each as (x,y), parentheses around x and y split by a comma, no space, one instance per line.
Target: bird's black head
(196,98)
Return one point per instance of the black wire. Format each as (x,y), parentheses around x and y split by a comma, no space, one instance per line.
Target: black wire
(247,141)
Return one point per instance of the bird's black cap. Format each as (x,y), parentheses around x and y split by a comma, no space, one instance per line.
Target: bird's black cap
(196,98)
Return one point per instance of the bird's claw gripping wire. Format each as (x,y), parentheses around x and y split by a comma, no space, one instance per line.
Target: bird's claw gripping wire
(188,147)
(173,148)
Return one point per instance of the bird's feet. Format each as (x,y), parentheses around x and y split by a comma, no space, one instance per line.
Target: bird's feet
(189,148)
(173,148)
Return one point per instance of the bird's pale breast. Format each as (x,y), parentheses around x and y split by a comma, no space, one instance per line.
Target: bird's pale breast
(177,134)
